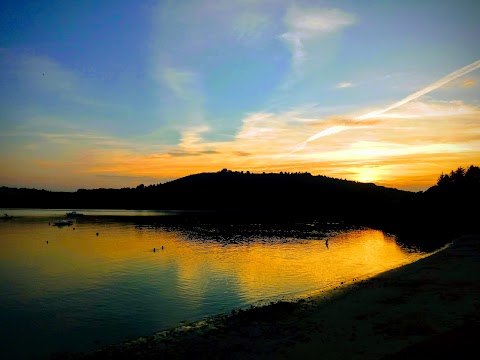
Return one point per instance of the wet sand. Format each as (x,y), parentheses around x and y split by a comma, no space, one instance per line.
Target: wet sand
(427,308)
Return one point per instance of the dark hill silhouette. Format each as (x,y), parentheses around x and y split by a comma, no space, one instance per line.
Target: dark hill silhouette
(445,209)
(224,190)
(299,193)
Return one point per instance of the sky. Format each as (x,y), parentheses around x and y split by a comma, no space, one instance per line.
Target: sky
(120,93)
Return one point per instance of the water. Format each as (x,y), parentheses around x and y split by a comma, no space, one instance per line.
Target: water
(81,290)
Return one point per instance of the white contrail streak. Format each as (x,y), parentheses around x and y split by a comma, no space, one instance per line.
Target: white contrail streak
(330,131)
(446,79)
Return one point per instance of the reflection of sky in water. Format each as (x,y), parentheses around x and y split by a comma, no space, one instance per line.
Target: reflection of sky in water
(80,290)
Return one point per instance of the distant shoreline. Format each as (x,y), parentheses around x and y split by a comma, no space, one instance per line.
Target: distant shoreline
(430,305)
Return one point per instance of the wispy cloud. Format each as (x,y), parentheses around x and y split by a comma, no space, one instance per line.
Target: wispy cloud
(182,83)
(468,83)
(188,106)
(344,85)
(433,86)
(462,83)
(190,153)
(44,75)
(192,137)
(369,153)
(309,24)
(249,25)
(194,48)
(380,113)
(431,108)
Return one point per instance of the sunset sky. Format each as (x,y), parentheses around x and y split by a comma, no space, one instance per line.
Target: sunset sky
(119,93)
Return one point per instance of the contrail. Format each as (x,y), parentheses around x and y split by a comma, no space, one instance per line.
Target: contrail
(452,76)
(329,131)
(446,79)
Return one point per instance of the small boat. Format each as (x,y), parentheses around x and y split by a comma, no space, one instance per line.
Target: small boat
(63,223)
(74,214)
(8,217)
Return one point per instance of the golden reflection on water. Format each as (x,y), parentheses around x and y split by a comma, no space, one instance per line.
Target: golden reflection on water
(263,270)
(77,259)
(80,288)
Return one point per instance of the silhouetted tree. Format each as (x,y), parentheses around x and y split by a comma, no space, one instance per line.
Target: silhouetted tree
(458,176)
(444,180)
(472,175)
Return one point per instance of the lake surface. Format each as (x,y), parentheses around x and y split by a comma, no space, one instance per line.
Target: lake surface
(69,289)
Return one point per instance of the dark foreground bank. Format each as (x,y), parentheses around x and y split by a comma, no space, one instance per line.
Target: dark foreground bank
(428,308)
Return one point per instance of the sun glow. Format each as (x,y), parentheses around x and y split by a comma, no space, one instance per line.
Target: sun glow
(259,86)
(368,174)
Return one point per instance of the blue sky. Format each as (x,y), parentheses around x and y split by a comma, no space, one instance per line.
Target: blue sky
(117,93)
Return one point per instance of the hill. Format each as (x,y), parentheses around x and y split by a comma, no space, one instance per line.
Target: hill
(445,210)
(225,191)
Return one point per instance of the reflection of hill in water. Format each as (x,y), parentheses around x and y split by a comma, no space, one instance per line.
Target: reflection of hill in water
(239,234)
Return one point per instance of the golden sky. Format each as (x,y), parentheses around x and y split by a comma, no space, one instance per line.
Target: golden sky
(367,93)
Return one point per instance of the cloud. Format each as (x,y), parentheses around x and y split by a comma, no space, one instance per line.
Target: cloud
(468,83)
(431,108)
(182,83)
(190,153)
(187,107)
(343,85)
(263,139)
(249,26)
(308,24)
(268,133)
(380,113)
(191,137)
(462,83)
(433,86)
(44,73)
(343,121)
(312,22)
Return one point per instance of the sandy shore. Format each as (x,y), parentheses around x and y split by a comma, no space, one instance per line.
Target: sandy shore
(428,308)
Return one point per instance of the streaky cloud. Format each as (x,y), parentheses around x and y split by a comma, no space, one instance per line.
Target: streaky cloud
(305,24)
(373,114)
(433,86)
(181,83)
(248,26)
(330,131)
(344,85)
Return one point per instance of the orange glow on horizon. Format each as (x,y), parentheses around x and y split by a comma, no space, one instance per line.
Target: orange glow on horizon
(407,150)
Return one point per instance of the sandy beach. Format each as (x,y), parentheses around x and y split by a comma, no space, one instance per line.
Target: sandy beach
(427,308)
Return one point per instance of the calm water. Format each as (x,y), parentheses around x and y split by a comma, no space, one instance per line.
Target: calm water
(81,290)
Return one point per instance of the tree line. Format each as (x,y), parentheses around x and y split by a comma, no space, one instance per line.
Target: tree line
(445,209)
